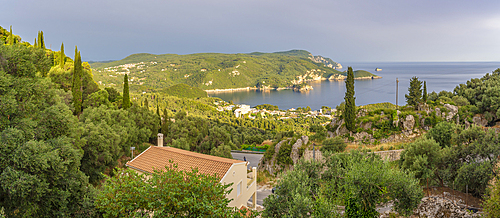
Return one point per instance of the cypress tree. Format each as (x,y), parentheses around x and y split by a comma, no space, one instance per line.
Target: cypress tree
(166,122)
(159,117)
(350,105)
(126,97)
(35,44)
(62,57)
(157,108)
(424,96)
(146,103)
(77,83)
(41,41)
(11,37)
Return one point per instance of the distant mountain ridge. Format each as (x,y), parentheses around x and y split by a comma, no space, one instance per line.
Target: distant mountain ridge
(209,71)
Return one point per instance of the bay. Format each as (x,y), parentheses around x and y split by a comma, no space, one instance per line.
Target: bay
(438,76)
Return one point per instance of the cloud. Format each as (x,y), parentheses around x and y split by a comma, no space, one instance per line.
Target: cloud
(356,30)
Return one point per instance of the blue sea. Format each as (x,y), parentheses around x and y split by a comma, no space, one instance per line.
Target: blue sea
(438,76)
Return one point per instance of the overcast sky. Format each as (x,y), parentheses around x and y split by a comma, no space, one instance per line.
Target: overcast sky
(347,30)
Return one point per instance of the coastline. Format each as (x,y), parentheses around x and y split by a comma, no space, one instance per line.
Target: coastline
(282,88)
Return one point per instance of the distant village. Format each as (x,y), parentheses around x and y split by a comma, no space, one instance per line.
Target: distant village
(243,110)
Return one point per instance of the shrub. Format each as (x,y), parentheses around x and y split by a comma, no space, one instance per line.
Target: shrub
(334,145)
(492,202)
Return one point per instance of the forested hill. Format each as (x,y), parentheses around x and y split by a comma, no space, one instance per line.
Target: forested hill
(149,72)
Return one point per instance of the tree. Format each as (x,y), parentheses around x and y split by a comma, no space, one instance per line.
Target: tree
(126,97)
(62,56)
(11,37)
(41,41)
(39,142)
(334,145)
(492,202)
(77,83)
(300,193)
(442,133)
(415,92)
(146,104)
(422,157)
(424,95)
(165,193)
(350,105)
(363,181)
(109,133)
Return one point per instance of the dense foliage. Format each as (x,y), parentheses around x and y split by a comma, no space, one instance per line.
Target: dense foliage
(466,159)
(39,146)
(165,193)
(357,180)
(334,145)
(484,93)
(184,91)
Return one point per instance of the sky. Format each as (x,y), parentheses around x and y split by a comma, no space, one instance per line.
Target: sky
(344,30)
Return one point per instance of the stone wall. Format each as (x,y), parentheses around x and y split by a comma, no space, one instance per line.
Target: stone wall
(391,155)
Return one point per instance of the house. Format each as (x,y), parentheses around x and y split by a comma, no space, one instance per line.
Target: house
(244,185)
(244,109)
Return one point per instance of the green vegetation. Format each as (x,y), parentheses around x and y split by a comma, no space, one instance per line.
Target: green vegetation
(414,95)
(126,98)
(483,93)
(62,56)
(467,158)
(268,107)
(39,141)
(185,91)
(334,145)
(492,203)
(195,194)
(349,112)
(77,82)
(362,73)
(357,180)
(152,73)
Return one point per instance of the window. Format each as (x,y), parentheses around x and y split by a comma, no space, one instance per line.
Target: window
(238,189)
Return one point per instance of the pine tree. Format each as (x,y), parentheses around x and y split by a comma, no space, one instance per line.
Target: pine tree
(424,95)
(77,83)
(126,97)
(62,56)
(350,105)
(415,92)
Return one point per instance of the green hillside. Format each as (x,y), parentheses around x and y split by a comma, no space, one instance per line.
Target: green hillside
(185,91)
(362,73)
(151,73)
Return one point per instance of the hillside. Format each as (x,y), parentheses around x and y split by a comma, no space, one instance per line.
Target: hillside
(208,71)
(185,91)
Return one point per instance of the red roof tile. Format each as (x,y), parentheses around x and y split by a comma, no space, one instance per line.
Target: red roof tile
(159,157)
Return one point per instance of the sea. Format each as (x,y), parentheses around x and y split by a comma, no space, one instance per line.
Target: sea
(438,76)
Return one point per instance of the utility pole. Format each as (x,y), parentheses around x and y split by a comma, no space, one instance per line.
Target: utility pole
(397,84)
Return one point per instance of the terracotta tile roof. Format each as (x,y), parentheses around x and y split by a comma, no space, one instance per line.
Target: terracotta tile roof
(158,157)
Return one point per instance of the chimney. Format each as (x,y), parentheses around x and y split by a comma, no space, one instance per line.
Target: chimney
(160,140)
